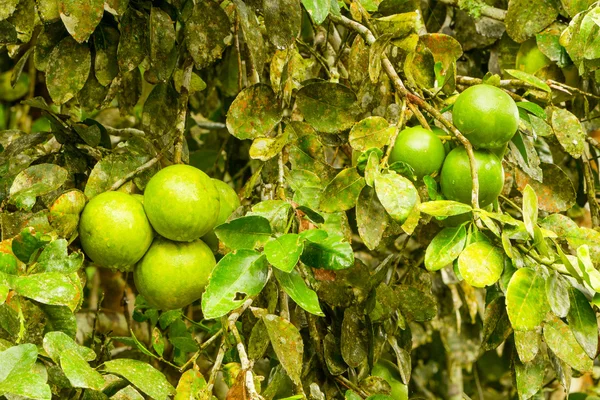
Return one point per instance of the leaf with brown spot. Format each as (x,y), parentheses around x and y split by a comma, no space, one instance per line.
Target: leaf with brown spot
(287,343)
(68,69)
(328,107)
(555,193)
(254,113)
(81,17)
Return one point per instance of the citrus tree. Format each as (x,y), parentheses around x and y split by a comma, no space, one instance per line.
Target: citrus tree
(288,199)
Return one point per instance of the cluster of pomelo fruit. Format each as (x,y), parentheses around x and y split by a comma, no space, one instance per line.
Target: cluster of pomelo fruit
(181,204)
(488,117)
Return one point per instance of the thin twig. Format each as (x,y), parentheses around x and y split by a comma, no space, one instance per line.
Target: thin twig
(124,132)
(236,36)
(420,117)
(399,125)
(138,170)
(183,108)
(591,192)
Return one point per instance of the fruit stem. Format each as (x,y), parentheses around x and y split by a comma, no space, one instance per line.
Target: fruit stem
(413,98)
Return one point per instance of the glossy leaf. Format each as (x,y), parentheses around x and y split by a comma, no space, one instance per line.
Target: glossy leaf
(52,288)
(528,78)
(149,380)
(526,301)
(317,9)
(397,195)
(530,209)
(241,272)
(481,264)
(445,247)
(54,258)
(331,252)
(293,284)
(79,372)
(35,181)
(17,377)
(284,251)
(343,191)
(582,321)
(444,208)
(244,233)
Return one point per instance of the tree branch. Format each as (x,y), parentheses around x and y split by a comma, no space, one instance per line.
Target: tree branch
(413,98)
(138,170)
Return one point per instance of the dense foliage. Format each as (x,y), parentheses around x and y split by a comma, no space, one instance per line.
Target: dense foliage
(345,272)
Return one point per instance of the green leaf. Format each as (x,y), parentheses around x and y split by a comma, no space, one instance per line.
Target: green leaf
(287,343)
(526,301)
(68,69)
(17,377)
(278,212)
(190,385)
(64,212)
(342,192)
(244,233)
(266,148)
(562,342)
(371,218)
(284,251)
(527,17)
(555,194)
(79,372)
(444,208)
(317,9)
(207,33)
(370,132)
(254,113)
(252,35)
(56,342)
(583,323)
(133,41)
(8,8)
(481,264)
(558,294)
(590,274)
(35,181)
(530,376)
(25,245)
(530,210)
(59,318)
(445,247)
(129,156)
(527,344)
(568,131)
(143,376)
(293,284)
(397,195)
(283,20)
(376,50)
(415,304)
(528,78)
(54,258)
(241,272)
(81,20)
(52,288)
(328,107)
(532,108)
(353,340)
(331,252)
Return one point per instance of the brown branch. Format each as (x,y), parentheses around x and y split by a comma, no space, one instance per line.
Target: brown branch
(590,190)
(399,126)
(412,98)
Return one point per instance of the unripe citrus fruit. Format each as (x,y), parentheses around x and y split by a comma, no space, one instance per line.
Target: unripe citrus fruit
(114,230)
(229,201)
(173,274)
(387,371)
(486,115)
(420,148)
(456,181)
(530,59)
(181,202)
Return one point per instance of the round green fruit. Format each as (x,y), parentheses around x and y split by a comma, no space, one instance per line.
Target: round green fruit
(114,230)
(387,371)
(228,199)
(173,274)
(420,148)
(181,202)
(229,203)
(486,115)
(530,59)
(455,178)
